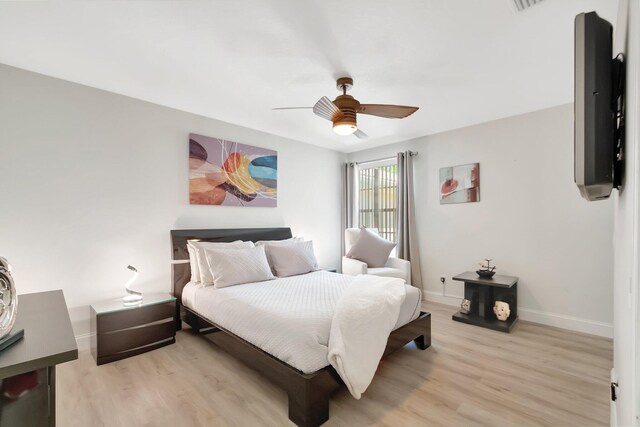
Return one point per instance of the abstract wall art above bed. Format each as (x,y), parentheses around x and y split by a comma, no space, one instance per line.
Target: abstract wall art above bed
(227,173)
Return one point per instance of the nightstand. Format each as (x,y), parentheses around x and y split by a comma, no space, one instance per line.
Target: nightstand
(121,331)
(483,293)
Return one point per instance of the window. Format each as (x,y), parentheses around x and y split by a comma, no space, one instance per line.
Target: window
(377,198)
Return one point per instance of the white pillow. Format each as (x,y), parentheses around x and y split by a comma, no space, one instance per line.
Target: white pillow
(295,258)
(237,266)
(269,243)
(280,242)
(193,261)
(203,274)
(371,249)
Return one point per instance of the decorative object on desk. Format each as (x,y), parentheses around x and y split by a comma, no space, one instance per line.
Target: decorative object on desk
(8,299)
(486,271)
(223,172)
(134,297)
(465,306)
(501,310)
(8,306)
(460,184)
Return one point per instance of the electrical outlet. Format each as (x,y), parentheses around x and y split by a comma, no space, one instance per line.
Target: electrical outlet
(442,279)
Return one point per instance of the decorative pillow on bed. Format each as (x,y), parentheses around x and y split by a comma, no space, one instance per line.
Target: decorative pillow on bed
(200,272)
(237,266)
(278,242)
(295,258)
(371,249)
(270,243)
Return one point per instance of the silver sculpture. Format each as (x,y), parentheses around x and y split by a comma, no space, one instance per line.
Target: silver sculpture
(465,306)
(8,299)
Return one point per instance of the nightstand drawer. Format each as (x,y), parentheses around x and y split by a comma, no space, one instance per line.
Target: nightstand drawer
(140,316)
(127,339)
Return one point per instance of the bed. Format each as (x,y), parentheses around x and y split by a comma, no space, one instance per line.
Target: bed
(289,344)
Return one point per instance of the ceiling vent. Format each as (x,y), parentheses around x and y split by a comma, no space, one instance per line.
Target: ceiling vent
(525,4)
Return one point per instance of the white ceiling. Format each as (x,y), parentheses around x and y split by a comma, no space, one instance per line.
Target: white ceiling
(461,61)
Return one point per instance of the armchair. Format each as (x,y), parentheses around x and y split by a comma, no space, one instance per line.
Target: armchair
(395,267)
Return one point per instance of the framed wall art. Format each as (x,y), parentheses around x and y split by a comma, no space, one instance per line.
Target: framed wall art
(228,173)
(460,184)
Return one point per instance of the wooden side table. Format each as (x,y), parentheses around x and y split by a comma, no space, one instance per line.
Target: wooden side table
(28,367)
(483,293)
(123,331)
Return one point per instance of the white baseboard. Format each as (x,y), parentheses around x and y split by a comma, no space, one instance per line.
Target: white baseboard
(577,324)
(84,341)
(442,299)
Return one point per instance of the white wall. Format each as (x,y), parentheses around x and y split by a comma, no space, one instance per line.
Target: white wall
(530,218)
(93,181)
(626,231)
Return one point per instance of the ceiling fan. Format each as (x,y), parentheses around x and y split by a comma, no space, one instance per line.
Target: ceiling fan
(343,110)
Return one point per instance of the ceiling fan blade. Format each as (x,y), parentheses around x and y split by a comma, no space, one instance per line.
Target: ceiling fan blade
(387,111)
(291,108)
(360,134)
(326,109)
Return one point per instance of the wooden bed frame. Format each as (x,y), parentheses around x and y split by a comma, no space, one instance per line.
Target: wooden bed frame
(308,393)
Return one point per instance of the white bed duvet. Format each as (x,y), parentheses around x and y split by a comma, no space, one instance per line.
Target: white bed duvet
(289,318)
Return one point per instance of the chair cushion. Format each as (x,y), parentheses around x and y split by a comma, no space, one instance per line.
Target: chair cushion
(351,237)
(371,249)
(386,272)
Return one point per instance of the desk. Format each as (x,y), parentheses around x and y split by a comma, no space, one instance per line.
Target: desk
(28,367)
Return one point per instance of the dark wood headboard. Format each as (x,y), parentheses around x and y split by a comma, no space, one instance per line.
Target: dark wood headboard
(182,272)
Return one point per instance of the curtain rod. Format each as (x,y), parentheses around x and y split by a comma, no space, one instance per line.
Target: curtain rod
(411,153)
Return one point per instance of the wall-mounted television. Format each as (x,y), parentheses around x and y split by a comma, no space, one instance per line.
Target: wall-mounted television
(598,118)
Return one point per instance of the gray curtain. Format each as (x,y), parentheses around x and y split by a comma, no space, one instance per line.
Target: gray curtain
(350,198)
(407,236)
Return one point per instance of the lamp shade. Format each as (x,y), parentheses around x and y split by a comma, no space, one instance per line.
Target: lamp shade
(344,128)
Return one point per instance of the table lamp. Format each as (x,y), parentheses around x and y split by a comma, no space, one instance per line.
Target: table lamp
(134,297)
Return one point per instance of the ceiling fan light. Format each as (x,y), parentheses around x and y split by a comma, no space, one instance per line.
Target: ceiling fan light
(345,124)
(344,128)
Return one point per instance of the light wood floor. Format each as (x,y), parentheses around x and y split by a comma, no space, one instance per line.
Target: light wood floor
(536,375)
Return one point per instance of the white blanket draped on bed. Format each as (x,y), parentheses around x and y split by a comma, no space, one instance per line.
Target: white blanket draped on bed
(363,319)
